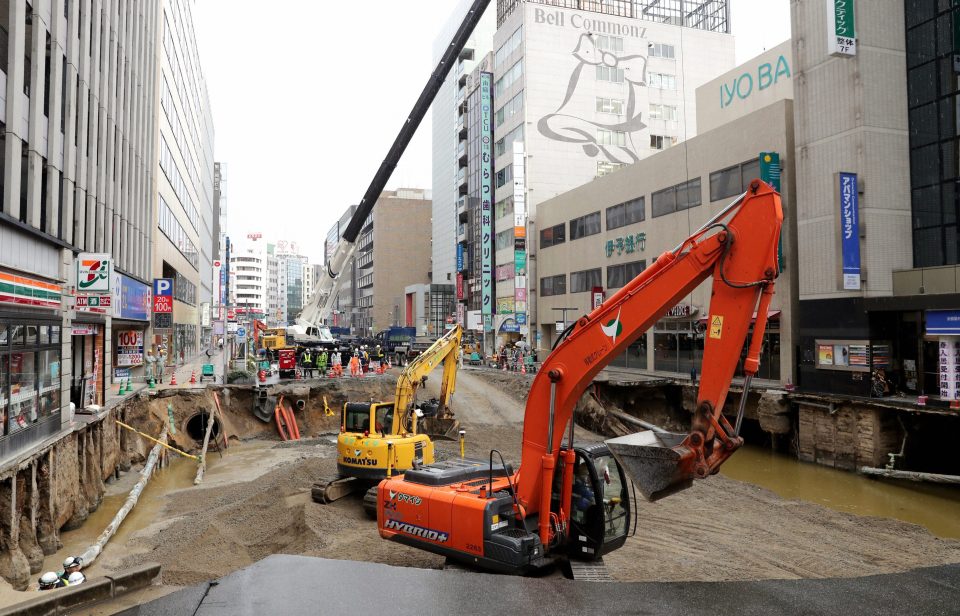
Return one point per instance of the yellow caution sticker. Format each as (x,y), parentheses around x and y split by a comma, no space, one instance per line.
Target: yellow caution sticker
(716,327)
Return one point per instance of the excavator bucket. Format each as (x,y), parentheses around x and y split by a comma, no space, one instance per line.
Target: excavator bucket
(654,461)
(440,427)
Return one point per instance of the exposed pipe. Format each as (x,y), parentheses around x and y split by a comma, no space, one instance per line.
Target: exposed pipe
(637,422)
(91,553)
(910,475)
(202,466)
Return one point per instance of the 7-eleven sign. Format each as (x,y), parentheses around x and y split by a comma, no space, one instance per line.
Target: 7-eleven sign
(93,272)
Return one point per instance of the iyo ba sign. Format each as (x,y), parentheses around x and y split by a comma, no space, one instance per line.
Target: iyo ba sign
(743,86)
(841,28)
(849,230)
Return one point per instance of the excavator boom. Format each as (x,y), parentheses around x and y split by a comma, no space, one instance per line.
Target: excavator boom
(438,420)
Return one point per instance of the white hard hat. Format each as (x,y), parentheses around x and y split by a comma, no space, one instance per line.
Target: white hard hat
(71,561)
(76,578)
(48,578)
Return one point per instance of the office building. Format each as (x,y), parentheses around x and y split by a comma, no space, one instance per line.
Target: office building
(344,309)
(449,136)
(250,277)
(183,240)
(390,258)
(78,137)
(594,239)
(582,90)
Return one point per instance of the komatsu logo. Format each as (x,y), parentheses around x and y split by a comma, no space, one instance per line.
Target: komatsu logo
(360,461)
(416,531)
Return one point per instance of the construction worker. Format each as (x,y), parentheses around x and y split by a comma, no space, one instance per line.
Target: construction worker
(322,363)
(365,359)
(380,355)
(355,365)
(306,362)
(71,564)
(76,578)
(50,580)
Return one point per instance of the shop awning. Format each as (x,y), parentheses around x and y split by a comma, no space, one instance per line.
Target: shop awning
(772,315)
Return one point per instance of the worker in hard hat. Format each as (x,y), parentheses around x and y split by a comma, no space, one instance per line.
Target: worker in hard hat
(76,578)
(71,564)
(50,580)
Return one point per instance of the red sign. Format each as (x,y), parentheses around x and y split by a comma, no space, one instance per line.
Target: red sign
(162,304)
(459,285)
(598,297)
(94,301)
(231,315)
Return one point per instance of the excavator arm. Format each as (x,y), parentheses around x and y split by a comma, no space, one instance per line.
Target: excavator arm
(443,350)
(738,248)
(492,517)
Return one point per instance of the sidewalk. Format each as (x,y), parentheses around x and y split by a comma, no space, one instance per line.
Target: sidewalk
(190,367)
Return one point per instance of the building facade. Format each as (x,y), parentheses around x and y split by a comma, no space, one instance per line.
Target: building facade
(344,308)
(871,196)
(182,242)
(448,119)
(594,239)
(250,277)
(580,92)
(87,203)
(389,258)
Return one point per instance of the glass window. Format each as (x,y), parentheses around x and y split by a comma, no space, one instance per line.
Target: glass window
(553,285)
(23,391)
(585,280)
(689,194)
(625,213)
(614,496)
(48,376)
(553,236)
(4,402)
(663,202)
(749,171)
(584,226)
(619,275)
(384,419)
(725,183)
(606,168)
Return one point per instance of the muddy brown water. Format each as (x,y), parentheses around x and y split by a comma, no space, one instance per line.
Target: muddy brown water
(935,507)
(178,475)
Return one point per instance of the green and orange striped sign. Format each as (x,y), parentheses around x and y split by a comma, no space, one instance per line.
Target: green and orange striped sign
(28,292)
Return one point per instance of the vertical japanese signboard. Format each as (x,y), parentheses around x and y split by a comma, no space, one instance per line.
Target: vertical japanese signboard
(841,28)
(849,230)
(770,171)
(949,367)
(519,234)
(486,200)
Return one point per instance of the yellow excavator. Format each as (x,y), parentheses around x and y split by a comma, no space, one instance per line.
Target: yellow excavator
(380,439)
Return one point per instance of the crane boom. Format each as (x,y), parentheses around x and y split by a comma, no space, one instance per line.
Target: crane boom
(313,315)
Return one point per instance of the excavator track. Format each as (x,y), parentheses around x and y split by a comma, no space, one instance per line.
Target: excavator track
(370,503)
(326,491)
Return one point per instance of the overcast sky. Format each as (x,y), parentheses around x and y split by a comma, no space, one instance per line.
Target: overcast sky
(306,100)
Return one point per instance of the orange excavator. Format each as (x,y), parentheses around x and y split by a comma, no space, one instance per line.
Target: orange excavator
(572,501)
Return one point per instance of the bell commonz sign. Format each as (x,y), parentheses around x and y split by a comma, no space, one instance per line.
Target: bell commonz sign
(841,28)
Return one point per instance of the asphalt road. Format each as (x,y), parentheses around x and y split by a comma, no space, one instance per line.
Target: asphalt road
(293,585)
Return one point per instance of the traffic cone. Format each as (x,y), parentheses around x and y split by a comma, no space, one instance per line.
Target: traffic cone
(173,379)
(263,376)
(523,368)
(193,377)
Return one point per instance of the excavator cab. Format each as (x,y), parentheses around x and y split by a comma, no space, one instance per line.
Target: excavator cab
(599,503)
